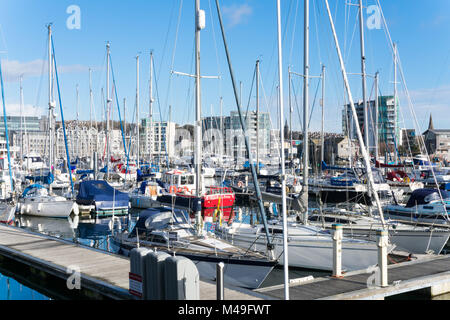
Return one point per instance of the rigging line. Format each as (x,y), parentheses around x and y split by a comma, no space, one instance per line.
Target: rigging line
(346,58)
(421,139)
(118,112)
(313,105)
(166,39)
(274,50)
(169,86)
(160,114)
(250,95)
(6,129)
(293,33)
(41,78)
(317,31)
(62,117)
(298,108)
(219,72)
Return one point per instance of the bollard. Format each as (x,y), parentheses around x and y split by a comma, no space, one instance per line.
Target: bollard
(138,272)
(382,257)
(219,281)
(182,279)
(337,250)
(155,280)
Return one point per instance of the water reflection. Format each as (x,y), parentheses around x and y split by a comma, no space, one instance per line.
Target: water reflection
(10,289)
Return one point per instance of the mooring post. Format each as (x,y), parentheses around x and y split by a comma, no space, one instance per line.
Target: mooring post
(382,256)
(219,280)
(337,250)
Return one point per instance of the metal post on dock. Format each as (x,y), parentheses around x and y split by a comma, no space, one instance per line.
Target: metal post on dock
(337,250)
(382,244)
(219,280)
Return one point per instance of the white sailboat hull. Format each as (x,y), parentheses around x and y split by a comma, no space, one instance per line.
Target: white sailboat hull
(309,251)
(55,207)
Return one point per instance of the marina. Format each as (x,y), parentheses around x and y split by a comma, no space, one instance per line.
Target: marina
(318,188)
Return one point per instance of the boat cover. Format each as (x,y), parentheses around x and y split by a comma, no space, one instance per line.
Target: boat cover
(424,196)
(102,195)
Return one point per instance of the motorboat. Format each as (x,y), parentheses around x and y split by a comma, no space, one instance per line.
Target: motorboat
(168,230)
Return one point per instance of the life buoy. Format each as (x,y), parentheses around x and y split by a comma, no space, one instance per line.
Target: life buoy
(173,189)
(183,189)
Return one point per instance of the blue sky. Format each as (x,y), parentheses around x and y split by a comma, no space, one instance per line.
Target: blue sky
(419,27)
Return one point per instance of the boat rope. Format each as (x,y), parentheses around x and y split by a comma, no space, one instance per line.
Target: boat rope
(6,130)
(402,76)
(120,118)
(62,118)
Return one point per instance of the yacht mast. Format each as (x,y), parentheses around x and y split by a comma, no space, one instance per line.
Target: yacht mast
(90,113)
(363,72)
(358,129)
(395,100)
(150,106)
(322,138)
(283,172)
(108,101)
(199,25)
(257,116)
(51,103)
(137,110)
(306,112)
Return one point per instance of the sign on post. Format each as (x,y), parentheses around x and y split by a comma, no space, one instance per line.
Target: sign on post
(135,285)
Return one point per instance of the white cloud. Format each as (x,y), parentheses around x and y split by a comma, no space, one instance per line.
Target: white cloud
(236,14)
(13,69)
(13,109)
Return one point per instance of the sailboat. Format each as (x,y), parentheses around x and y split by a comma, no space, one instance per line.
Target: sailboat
(308,246)
(168,230)
(184,189)
(37,200)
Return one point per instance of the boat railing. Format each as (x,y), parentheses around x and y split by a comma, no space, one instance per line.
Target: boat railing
(219,190)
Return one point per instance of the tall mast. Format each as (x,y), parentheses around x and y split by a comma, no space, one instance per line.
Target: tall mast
(51,103)
(364,152)
(108,101)
(363,72)
(137,110)
(257,116)
(150,105)
(322,138)
(395,100)
(198,107)
(125,118)
(90,111)
(306,111)
(283,173)
(376,114)
(21,122)
(290,107)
